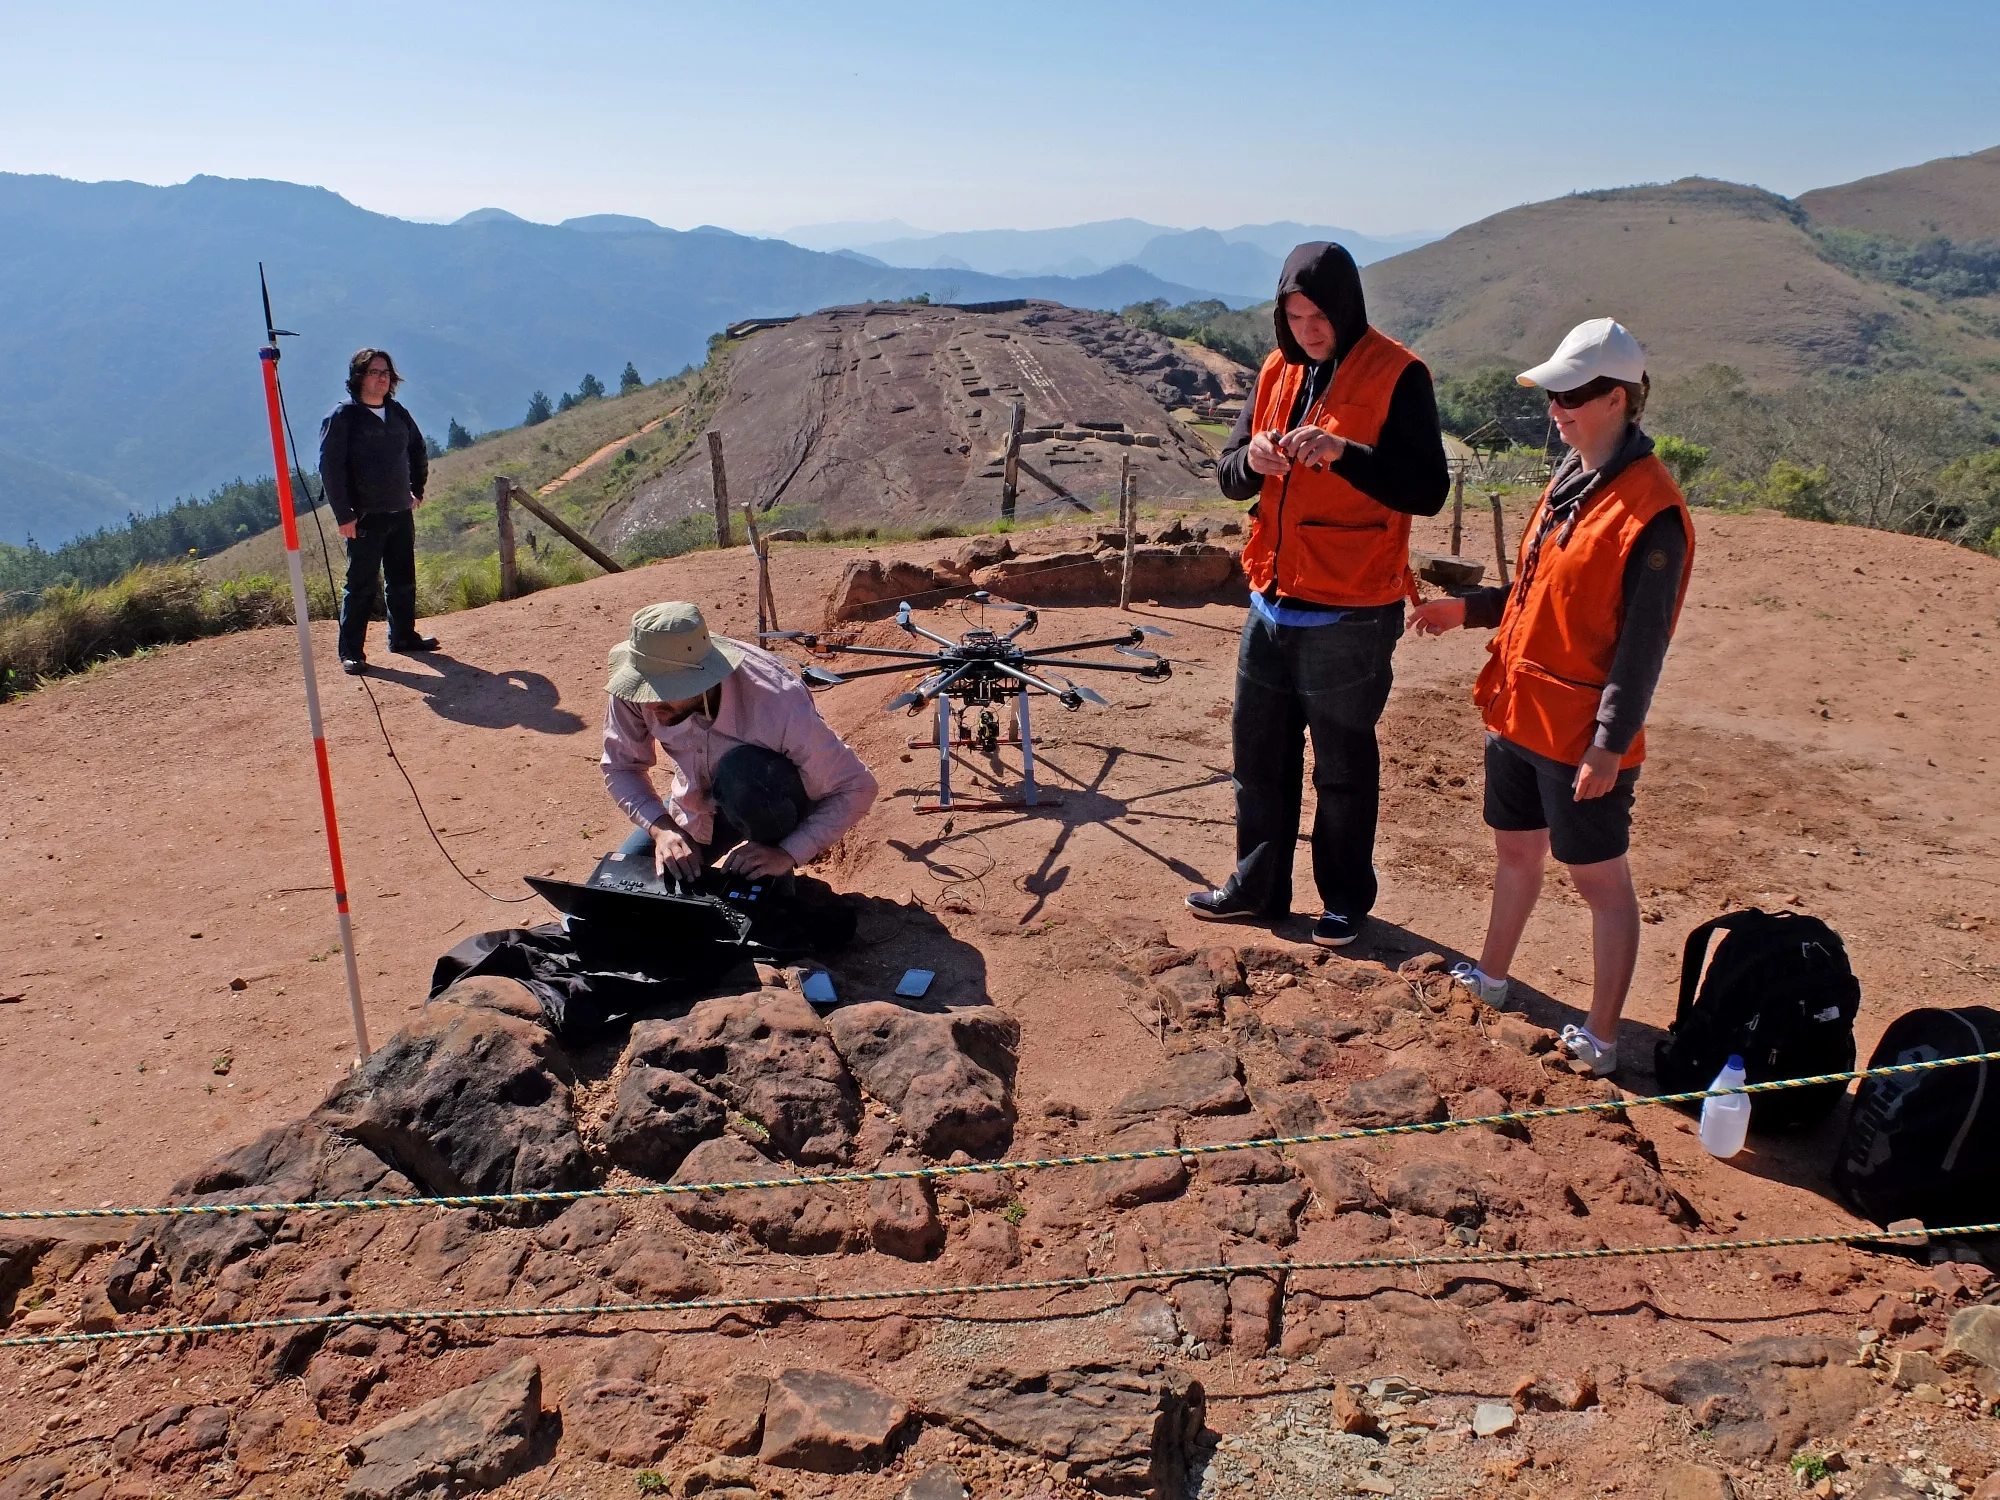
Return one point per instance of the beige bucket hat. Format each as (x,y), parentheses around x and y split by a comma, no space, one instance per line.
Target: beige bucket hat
(671,656)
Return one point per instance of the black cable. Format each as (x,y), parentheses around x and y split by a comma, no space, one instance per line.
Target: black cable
(326,561)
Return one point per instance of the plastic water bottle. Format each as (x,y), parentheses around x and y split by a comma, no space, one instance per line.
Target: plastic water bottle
(1725,1119)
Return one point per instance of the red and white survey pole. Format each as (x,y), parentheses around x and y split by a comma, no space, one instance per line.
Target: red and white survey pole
(268,355)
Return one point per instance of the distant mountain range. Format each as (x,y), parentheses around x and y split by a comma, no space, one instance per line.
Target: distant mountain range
(129,322)
(1243,261)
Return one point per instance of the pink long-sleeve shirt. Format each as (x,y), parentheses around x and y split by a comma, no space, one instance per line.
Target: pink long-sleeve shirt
(762,703)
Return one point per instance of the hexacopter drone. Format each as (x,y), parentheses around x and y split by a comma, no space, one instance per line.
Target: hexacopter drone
(983,670)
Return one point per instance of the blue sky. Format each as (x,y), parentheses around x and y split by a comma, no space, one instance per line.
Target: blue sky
(1377,117)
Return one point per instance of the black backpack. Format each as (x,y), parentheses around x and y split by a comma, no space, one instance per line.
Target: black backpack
(1779,994)
(1927,1145)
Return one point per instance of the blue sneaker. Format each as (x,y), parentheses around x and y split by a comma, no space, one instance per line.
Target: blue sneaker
(1332,930)
(1219,906)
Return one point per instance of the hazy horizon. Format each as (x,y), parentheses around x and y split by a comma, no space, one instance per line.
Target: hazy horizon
(794,115)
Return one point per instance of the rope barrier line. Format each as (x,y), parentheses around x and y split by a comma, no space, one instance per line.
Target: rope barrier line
(992,1288)
(910,1174)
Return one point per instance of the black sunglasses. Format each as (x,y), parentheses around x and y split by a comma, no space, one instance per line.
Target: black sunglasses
(1584,394)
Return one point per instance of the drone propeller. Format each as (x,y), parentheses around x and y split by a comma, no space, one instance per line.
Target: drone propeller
(1089,695)
(811,638)
(1138,651)
(1153,630)
(819,677)
(903,700)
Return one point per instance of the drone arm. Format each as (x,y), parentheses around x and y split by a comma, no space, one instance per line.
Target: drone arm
(881,651)
(1024,627)
(915,629)
(943,684)
(1093,666)
(1029,678)
(886,667)
(1130,638)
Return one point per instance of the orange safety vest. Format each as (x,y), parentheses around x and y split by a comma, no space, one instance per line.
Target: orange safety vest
(1314,534)
(1552,654)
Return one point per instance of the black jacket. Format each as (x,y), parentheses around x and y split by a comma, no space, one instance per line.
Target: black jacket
(1405,469)
(371,465)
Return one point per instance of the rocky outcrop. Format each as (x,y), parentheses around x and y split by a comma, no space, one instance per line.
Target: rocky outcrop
(950,1076)
(770,1058)
(1766,1396)
(870,589)
(467,1101)
(659,1118)
(474,1438)
(1195,1083)
(302,1161)
(902,1214)
(653,1268)
(1121,1431)
(790,1220)
(828,1423)
(624,1421)
(18,1254)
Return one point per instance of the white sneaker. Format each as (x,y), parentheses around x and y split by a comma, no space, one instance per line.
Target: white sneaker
(1486,991)
(1599,1058)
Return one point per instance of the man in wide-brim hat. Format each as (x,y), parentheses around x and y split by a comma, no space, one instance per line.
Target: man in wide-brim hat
(761,783)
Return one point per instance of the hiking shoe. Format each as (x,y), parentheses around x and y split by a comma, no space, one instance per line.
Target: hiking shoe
(1219,906)
(1332,930)
(416,643)
(353,666)
(1600,1059)
(1486,991)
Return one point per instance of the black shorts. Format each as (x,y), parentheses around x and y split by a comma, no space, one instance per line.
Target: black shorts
(1525,792)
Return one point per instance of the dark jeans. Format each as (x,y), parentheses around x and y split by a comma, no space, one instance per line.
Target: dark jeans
(758,795)
(384,542)
(1329,681)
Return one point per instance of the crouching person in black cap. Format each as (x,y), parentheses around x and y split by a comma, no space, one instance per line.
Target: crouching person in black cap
(761,783)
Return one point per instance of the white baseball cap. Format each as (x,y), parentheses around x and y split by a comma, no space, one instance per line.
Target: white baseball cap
(1603,346)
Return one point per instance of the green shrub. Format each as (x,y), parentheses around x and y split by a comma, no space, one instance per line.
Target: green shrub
(1490,393)
(674,539)
(1684,460)
(74,628)
(1796,492)
(1245,336)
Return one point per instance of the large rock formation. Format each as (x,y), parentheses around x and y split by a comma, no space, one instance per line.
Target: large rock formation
(950,1076)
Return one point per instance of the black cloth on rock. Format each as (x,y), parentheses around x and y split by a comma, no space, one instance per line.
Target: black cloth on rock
(588,981)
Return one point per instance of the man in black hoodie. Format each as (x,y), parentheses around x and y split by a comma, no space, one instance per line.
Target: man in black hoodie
(373,465)
(1339,448)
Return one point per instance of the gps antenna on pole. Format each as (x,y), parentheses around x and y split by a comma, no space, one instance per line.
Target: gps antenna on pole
(268,355)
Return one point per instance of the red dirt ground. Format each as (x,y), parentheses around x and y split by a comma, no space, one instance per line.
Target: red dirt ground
(1821,738)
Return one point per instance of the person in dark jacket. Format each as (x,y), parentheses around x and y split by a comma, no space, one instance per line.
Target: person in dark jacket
(373,465)
(1339,448)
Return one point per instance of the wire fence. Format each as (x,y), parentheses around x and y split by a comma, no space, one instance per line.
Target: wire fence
(949,1170)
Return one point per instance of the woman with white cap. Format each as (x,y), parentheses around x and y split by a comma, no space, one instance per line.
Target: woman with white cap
(1577,648)
(761,784)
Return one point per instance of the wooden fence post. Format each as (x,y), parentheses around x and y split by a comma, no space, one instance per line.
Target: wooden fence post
(503,510)
(1499,537)
(562,528)
(1458,510)
(722,537)
(1010,479)
(1128,516)
(760,550)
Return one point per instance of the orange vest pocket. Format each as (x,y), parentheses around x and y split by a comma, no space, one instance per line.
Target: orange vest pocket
(1549,714)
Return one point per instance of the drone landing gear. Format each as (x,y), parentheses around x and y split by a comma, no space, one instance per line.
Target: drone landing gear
(1028,795)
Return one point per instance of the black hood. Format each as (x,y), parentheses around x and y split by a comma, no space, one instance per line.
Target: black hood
(1327,274)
